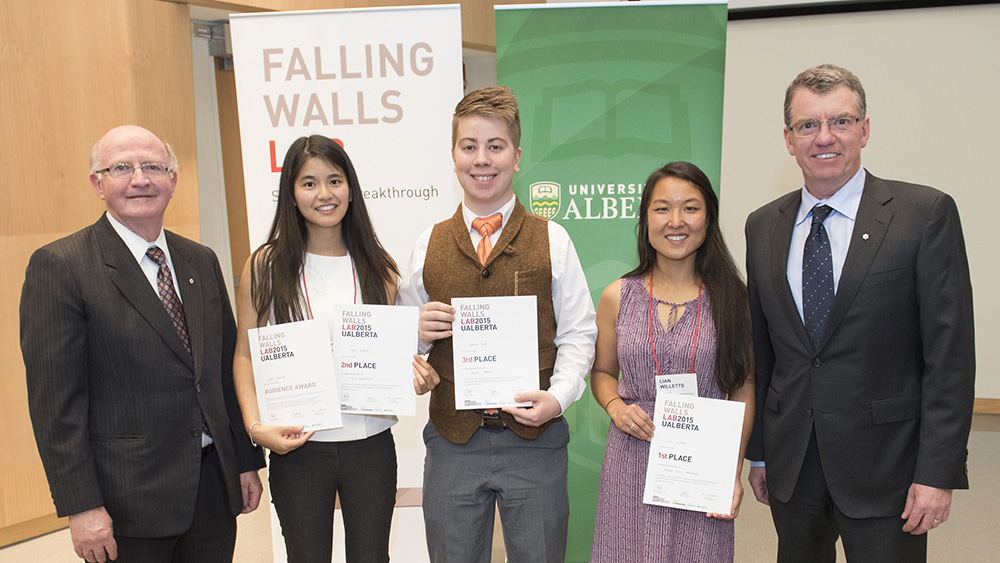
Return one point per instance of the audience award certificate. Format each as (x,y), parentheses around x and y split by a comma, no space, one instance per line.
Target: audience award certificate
(693,454)
(294,375)
(495,350)
(373,347)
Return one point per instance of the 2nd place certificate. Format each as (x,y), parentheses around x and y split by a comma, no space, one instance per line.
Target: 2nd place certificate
(495,350)
(373,346)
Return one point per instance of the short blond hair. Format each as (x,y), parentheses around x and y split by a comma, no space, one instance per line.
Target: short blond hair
(495,102)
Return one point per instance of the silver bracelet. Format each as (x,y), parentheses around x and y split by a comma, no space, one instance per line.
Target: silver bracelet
(250,433)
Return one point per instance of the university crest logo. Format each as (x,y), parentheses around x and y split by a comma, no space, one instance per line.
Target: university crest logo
(545,199)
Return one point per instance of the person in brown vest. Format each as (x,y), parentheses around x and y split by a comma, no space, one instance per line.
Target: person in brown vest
(515,458)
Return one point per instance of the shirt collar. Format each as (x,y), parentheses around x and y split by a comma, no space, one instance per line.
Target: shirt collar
(135,243)
(845,201)
(505,210)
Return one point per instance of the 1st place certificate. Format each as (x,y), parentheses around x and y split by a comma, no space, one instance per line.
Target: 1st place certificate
(294,374)
(373,347)
(495,350)
(693,453)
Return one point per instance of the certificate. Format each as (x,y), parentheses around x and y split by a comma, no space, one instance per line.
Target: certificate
(495,350)
(693,453)
(294,375)
(373,347)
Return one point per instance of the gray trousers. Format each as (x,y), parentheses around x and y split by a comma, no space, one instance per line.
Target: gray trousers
(526,479)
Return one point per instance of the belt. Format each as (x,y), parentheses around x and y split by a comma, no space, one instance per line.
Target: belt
(492,421)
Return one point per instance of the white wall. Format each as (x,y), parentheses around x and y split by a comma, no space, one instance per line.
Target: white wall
(211,182)
(931,79)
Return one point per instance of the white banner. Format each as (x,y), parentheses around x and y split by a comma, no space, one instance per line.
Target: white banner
(384,82)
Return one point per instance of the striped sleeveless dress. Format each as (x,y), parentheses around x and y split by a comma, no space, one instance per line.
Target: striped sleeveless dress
(626,530)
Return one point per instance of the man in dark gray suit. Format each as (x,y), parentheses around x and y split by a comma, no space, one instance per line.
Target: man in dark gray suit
(130,386)
(865,362)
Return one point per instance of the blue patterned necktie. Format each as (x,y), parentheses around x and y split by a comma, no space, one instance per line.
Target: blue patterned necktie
(817,276)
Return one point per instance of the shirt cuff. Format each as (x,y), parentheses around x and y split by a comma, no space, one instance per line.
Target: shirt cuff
(565,394)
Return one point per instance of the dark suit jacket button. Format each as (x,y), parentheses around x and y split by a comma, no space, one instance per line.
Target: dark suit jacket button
(486,273)
(197,387)
(816,362)
(809,411)
(196,432)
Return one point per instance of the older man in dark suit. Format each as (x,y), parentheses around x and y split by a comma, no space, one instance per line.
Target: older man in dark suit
(863,334)
(128,337)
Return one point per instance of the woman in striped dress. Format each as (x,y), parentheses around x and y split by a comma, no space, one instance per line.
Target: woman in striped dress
(683,309)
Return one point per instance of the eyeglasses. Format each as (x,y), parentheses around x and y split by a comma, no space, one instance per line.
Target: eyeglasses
(839,124)
(126,169)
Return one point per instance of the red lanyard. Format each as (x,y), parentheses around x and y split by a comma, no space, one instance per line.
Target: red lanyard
(697,324)
(305,288)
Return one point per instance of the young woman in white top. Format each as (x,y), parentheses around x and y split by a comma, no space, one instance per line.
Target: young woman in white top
(321,250)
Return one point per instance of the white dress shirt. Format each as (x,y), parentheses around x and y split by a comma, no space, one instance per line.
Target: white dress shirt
(576,326)
(328,280)
(138,247)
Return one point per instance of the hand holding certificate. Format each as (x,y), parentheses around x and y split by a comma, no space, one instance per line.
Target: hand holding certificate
(294,375)
(693,453)
(495,350)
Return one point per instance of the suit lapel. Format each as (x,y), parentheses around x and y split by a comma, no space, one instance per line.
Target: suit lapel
(133,285)
(869,230)
(781,240)
(189,283)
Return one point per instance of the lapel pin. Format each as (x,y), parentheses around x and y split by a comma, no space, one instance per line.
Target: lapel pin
(865,236)
(191,280)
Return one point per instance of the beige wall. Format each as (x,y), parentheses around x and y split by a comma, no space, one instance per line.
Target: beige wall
(71,70)
(931,80)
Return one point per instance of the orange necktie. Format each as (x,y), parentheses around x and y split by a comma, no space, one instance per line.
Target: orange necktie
(486,227)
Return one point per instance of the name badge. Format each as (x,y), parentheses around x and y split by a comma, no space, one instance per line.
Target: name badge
(678,384)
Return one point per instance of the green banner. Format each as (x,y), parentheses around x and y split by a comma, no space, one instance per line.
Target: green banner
(608,93)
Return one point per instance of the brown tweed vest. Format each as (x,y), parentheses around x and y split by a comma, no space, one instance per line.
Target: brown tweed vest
(518,265)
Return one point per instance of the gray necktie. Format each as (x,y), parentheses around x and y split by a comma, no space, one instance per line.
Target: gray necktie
(817,276)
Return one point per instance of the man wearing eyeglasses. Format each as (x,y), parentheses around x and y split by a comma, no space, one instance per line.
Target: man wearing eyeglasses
(863,335)
(128,337)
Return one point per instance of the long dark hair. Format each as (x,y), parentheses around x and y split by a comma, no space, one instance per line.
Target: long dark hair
(275,266)
(718,272)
